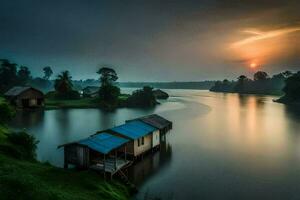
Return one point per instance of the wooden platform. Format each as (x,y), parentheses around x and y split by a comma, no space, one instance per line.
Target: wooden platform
(110,165)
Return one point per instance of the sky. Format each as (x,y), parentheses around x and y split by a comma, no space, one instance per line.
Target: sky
(152,40)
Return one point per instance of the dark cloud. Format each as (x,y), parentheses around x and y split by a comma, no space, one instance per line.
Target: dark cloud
(145,40)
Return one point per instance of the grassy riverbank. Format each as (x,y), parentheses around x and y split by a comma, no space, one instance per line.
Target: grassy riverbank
(51,103)
(1,99)
(23,179)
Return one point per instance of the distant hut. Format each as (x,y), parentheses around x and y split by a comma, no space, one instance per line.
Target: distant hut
(142,136)
(90,91)
(25,97)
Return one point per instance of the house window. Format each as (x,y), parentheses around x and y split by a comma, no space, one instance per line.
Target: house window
(141,141)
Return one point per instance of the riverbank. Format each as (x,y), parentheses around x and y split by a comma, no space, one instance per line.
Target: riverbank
(287,101)
(36,180)
(51,103)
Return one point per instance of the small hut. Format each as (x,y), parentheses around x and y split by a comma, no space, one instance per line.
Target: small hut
(104,152)
(25,97)
(90,91)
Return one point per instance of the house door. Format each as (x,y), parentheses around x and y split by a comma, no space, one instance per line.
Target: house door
(25,103)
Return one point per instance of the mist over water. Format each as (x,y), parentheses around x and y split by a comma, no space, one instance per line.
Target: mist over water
(222,146)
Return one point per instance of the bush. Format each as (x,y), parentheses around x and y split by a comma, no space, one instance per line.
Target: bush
(71,95)
(109,95)
(24,142)
(6,113)
(142,98)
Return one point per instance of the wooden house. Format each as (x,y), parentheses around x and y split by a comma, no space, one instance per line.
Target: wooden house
(25,97)
(90,91)
(142,136)
(104,152)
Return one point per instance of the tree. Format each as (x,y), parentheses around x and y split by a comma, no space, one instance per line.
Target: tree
(240,85)
(64,87)
(287,74)
(63,83)
(109,95)
(107,76)
(47,72)
(142,98)
(108,92)
(24,75)
(6,113)
(8,75)
(260,76)
(292,87)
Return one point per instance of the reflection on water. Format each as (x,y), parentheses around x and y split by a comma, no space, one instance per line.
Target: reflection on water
(151,164)
(222,146)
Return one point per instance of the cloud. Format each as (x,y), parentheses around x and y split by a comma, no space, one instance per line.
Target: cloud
(258,35)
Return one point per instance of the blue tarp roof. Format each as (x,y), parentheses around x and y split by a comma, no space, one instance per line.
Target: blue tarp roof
(103,142)
(134,129)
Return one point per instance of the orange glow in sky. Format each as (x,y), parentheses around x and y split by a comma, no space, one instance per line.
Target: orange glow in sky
(253,65)
(265,46)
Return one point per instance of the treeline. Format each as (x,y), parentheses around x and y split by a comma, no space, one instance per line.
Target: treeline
(64,88)
(261,83)
(12,74)
(197,85)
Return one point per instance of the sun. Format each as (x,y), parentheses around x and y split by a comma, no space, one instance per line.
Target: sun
(253,65)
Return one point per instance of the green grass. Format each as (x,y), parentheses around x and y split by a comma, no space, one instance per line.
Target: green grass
(21,179)
(77,103)
(2,99)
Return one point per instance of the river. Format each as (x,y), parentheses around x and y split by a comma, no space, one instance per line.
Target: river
(222,146)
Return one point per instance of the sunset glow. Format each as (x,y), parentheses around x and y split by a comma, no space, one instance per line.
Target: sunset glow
(253,65)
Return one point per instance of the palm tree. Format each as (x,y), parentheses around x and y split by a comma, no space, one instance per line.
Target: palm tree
(63,83)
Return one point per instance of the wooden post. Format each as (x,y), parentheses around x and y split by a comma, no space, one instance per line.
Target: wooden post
(104,163)
(104,173)
(116,154)
(125,153)
(65,159)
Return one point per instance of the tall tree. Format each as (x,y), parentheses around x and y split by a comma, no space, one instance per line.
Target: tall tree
(260,76)
(24,75)
(240,85)
(63,83)
(108,92)
(47,72)
(8,75)
(107,76)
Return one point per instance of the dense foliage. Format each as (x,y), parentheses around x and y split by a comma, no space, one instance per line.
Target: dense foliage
(8,75)
(261,84)
(13,75)
(25,143)
(109,95)
(107,76)
(108,92)
(6,113)
(291,89)
(63,87)
(47,72)
(142,98)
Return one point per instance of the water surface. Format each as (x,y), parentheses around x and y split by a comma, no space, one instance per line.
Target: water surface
(222,146)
